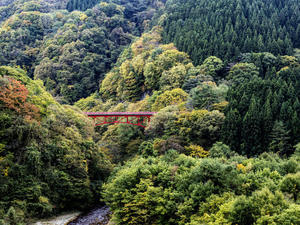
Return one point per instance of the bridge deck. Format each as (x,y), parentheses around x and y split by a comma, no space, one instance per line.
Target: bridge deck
(120,113)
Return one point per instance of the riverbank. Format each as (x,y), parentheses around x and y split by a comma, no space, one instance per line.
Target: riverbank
(60,220)
(99,216)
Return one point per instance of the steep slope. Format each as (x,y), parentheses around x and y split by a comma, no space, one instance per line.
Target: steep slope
(70,52)
(259,96)
(49,161)
(226,28)
(223,147)
(179,171)
(10,7)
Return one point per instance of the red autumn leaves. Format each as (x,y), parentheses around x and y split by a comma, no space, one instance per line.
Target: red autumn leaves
(14,96)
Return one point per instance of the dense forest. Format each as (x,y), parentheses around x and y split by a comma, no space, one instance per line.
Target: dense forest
(226,28)
(223,77)
(70,52)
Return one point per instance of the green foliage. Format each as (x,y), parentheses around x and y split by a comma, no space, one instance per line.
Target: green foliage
(48,163)
(163,62)
(137,11)
(89,103)
(173,78)
(297,150)
(262,114)
(264,61)
(173,97)
(291,184)
(72,64)
(260,205)
(147,149)
(225,28)
(150,66)
(121,141)
(199,126)
(219,150)
(70,51)
(177,189)
(207,95)
(279,138)
(162,122)
(242,73)
(196,151)
(212,66)
(184,168)
(81,5)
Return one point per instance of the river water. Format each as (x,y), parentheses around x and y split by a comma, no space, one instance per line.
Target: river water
(98,216)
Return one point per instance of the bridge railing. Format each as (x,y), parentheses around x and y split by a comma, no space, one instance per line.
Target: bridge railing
(133,118)
(120,113)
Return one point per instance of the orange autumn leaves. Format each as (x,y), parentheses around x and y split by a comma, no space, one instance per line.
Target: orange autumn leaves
(14,96)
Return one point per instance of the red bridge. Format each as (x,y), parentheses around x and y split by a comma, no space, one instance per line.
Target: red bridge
(133,118)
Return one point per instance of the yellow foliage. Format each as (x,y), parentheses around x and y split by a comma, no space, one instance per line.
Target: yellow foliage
(288,60)
(27,22)
(5,171)
(109,85)
(86,168)
(220,106)
(173,97)
(217,212)
(284,68)
(43,199)
(241,167)
(125,68)
(103,4)
(8,22)
(192,116)
(197,151)
(147,42)
(166,47)
(83,17)
(173,78)
(158,143)
(59,15)
(187,118)
(140,106)
(1,148)
(5,29)
(210,83)
(138,64)
(32,51)
(121,107)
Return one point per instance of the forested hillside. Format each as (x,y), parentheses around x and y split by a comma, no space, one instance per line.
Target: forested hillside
(81,4)
(6,2)
(217,152)
(70,52)
(226,28)
(223,77)
(49,161)
(10,7)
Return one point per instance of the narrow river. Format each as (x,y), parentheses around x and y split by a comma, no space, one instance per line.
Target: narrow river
(99,216)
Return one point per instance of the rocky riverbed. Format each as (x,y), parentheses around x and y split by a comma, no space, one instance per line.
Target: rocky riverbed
(60,220)
(97,216)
